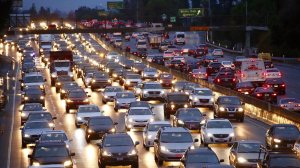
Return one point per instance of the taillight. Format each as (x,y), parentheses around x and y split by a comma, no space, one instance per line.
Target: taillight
(242,75)
(206,74)
(233,79)
(258,95)
(239,90)
(274,94)
(269,86)
(283,105)
(218,80)
(283,85)
(194,75)
(280,74)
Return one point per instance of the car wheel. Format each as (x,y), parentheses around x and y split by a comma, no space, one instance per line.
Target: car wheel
(159,162)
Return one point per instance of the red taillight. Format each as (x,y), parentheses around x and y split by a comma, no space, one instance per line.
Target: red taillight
(242,75)
(283,85)
(233,79)
(274,94)
(194,75)
(218,80)
(280,74)
(283,105)
(239,90)
(206,74)
(258,95)
(269,86)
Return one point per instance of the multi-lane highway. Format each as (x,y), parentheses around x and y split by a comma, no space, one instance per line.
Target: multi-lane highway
(13,156)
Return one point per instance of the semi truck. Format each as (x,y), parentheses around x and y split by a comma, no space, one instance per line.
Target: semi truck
(155,40)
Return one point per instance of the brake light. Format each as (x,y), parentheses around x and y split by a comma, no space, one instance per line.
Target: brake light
(218,80)
(269,86)
(194,75)
(274,94)
(239,90)
(242,75)
(280,74)
(206,74)
(258,95)
(233,79)
(283,85)
(283,105)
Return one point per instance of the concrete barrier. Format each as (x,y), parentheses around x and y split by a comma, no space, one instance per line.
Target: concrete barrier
(254,108)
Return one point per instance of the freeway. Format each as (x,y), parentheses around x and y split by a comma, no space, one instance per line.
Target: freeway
(87,154)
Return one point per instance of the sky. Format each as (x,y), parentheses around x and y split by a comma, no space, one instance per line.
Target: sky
(65,5)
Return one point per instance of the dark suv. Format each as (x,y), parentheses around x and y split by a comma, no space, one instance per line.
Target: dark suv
(275,159)
(118,150)
(229,107)
(174,101)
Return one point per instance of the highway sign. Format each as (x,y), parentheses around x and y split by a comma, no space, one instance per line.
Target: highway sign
(173,19)
(115,5)
(194,12)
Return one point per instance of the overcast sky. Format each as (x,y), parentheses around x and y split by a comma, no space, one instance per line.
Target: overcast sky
(65,5)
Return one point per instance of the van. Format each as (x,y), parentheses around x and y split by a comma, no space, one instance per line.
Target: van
(250,70)
(180,38)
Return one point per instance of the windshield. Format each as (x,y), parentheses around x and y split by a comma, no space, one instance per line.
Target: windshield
(286,130)
(203,92)
(156,127)
(118,141)
(77,94)
(125,95)
(133,76)
(190,114)
(180,84)
(282,162)
(54,137)
(33,107)
(150,70)
(88,109)
(249,147)
(219,124)
(33,92)
(176,137)
(116,89)
(141,43)
(139,112)
(51,151)
(180,35)
(101,75)
(61,64)
(202,158)
(100,121)
(152,86)
(178,98)
(40,116)
(33,79)
(230,100)
(36,125)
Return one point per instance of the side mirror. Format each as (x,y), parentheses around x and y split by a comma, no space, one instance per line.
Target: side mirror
(29,156)
(72,154)
(99,144)
(196,140)
(44,109)
(116,123)
(136,143)
(221,160)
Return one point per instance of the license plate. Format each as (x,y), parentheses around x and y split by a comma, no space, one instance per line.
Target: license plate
(267,95)
(231,115)
(119,159)
(220,140)
(275,85)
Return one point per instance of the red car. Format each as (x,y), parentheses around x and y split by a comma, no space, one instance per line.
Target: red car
(225,79)
(265,93)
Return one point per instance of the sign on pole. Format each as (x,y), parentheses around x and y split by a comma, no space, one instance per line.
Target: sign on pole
(115,5)
(194,12)
(173,19)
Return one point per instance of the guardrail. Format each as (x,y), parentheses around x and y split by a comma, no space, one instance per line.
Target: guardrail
(254,108)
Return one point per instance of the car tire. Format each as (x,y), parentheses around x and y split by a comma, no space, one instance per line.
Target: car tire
(100,165)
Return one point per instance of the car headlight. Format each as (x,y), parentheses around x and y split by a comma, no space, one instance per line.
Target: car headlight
(109,81)
(23,114)
(115,75)
(128,82)
(79,118)
(164,149)
(106,153)
(113,130)
(51,125)
(105,96)
(242,160)
(42,86)
(58,83)
(180,122)
(202,122)
(212,99)
(35,163)
(195,99)
(93,81)
(53,75)
(69,101)
(172,106)
(132,152)
(222,109)
(42,97)
(22,84)
(176,90)
(68,163)
(130,120)
(192,147)
(151,119)
(209,135)
(145,92)
(277,140)
(63,91)
(26,135)
(149,136)
(173,81)
(231,134)
(26,98)
(71,75)
(161,81)
(86,100)
(186,106)
(240,109)
(162,92)
(90,130)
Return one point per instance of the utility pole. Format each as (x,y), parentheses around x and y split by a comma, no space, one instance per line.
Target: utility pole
(210,20)
(246,13)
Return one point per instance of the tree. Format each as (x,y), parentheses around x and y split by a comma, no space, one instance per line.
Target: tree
(5,7)
(32,11)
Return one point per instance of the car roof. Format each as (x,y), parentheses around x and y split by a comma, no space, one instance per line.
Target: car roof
(138,108)
(201,88)
(119,134)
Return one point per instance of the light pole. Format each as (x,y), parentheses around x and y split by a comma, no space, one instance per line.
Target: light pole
(210,19)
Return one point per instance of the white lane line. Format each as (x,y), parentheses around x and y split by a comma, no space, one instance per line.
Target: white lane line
(253,122)
(13,120)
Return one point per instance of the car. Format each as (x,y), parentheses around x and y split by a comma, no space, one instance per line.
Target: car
(176,64)
(32,130)
(198,73)
(198,53)
(117,150)
(205,60)
(150,73)
(166,80)
(138,117)
(131,80)
(244,87)
(265,93)
(84,112)
(138,67)
(55,135)
(33,95)
(190,118)
(100,80)
(151,91)
(268,64)
(77,97)
(42,116)
(33,79)
(201,97)
(281,136)
(66,87)
(96,127)
(273,73)
(171,143)
(200,157)
(168,54)
(30,108)
(150,131)
(281,159)
(245,153)
(174,101)
(112,55)
(278,85)
(158,60)
(213,68)
(109,93)
(123,100)
(226,79)
(229,107)
(47,153)
(116,74)
(217,131)
(163,47)
(189,87)
(228,64)
(218,52)
(59,82)
(291,104)
(179,85)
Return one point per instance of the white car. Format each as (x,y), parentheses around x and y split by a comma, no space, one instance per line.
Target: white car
(110,92)
(118,42)
(217,131)
(85,112)
(202,97)
(55,135)
(123,100)
(33,79)
(218,52)
(141,44)
(150,73)
(228,64)
(273,73)
(138,117)
(152,90)
(150,132)
(291,104)
(112,55)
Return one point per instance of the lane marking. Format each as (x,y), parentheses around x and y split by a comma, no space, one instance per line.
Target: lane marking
(13,119)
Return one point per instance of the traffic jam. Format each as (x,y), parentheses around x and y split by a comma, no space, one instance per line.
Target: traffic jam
(75,67)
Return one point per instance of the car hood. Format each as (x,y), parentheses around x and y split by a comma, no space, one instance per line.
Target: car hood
(119,149)
(52,160)
(219,131)
(127,100)
(153,90)
(140,117)
(36,131)
(177,145)
(202,97)
(134,80)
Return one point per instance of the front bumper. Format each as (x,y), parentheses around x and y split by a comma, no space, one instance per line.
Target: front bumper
(116,160)
(171,156)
